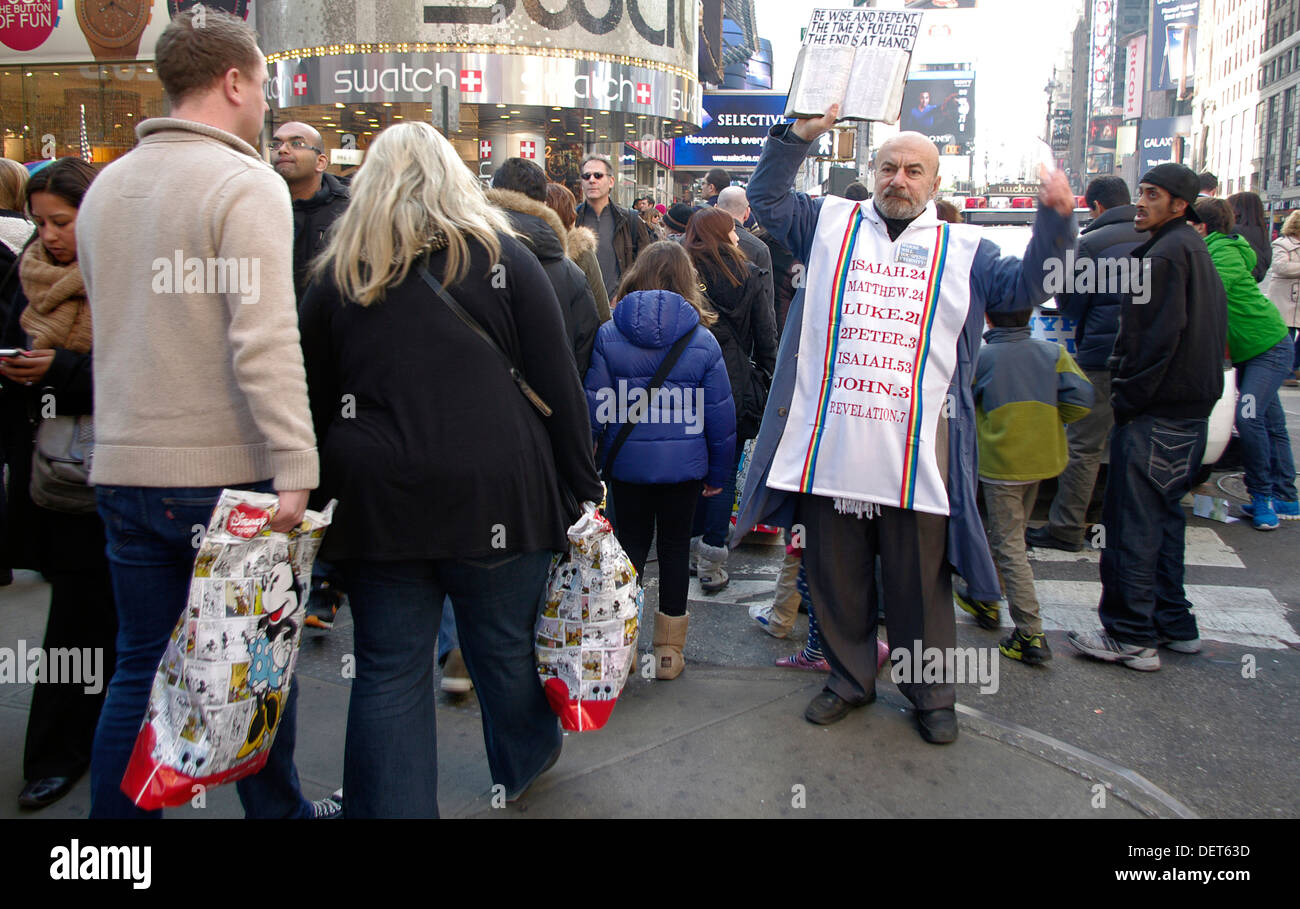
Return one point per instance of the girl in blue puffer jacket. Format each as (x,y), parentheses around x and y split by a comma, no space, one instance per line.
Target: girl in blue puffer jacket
(684,433)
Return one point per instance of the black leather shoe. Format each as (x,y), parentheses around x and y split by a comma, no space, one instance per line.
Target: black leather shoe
(1042,538)
(46,791)
(938,726)
(828,707)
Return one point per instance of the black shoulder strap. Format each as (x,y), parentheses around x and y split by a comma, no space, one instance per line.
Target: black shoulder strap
(657,380)
(533,397)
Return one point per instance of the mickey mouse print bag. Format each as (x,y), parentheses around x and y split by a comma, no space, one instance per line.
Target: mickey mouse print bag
(223,682)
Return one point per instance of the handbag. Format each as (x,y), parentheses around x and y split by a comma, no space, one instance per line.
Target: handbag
(61,460)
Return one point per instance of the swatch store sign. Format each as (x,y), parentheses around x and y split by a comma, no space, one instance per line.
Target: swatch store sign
(482,79)
(647,50)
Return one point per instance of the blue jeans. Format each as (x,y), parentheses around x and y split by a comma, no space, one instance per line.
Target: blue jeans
(448,637)
(713,515)
(390,762)
(151,555)
(1153,461)
(1261,423)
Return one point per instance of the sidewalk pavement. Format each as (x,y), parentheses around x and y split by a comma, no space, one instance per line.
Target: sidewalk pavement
(720,741)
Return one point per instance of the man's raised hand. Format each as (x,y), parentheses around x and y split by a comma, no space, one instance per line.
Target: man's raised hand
(809,128)
(1056,192)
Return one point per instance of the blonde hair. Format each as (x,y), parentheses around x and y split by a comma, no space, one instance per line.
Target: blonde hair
(13,181)
(1291,226)
(412,193)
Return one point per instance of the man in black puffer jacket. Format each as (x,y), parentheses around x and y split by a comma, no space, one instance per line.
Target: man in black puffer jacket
(1110,237)
(519,187)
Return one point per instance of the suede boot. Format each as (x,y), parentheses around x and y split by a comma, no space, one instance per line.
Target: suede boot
(669,639)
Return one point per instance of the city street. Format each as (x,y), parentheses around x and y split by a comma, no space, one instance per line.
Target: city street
(1204,737)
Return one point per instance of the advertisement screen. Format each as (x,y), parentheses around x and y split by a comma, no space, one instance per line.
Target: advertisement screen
(735,126)
(1173,43)
(941,104)
(1157,142)
(1102,131)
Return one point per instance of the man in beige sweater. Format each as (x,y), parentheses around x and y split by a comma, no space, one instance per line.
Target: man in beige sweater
(185,245)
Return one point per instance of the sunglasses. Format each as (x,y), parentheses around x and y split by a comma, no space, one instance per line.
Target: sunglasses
(593,176)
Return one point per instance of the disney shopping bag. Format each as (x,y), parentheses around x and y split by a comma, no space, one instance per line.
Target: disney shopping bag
(221,687)
(586,634)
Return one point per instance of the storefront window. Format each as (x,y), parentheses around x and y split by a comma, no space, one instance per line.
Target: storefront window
(41,109)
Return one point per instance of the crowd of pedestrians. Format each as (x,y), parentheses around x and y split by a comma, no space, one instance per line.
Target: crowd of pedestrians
(461,368)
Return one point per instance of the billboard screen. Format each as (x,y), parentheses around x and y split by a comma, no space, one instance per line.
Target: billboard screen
(1173,44)
(735,125)
(1157,142)
(1102,131)
(941,105)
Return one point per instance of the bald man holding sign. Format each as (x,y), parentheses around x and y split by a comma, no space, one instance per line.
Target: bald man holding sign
(868,441)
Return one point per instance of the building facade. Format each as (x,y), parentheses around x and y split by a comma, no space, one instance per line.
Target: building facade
(1229,40)
(1277,155)
(500,79)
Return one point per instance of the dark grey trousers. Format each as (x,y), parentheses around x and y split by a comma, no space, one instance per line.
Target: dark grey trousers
(840,557)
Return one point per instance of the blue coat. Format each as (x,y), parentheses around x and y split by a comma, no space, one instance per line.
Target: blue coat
(997,282)
(690,433)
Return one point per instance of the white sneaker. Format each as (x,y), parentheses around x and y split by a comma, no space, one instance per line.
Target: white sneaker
(1192,646)
(763,615)
(455,676)
(1101,646)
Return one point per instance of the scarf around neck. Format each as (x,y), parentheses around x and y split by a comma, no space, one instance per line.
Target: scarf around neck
(57,313)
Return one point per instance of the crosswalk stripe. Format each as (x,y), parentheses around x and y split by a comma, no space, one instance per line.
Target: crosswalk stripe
(1203,547)
(1249,616)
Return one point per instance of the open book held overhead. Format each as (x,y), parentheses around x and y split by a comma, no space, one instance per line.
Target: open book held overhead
(856,58)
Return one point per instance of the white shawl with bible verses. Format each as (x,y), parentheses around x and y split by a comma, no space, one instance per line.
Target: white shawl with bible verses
(877,354)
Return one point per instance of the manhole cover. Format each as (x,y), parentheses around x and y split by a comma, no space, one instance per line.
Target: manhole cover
(1234,484)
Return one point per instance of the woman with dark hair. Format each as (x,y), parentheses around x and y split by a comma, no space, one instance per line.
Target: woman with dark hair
(579,245)
(746,331)
(1261,349)
(1248,216)
(50,323)
(687,435)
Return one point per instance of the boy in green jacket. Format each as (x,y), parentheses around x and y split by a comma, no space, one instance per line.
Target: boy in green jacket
(1261,349)
(1025,391)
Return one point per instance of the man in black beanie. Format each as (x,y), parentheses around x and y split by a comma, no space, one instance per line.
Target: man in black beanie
(675,220)
(1167,375)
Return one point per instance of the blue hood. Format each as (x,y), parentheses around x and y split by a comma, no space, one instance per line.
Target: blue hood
(655,318)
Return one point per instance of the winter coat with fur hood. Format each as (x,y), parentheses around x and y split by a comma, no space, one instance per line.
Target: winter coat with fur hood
(580,244)
(543,233)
